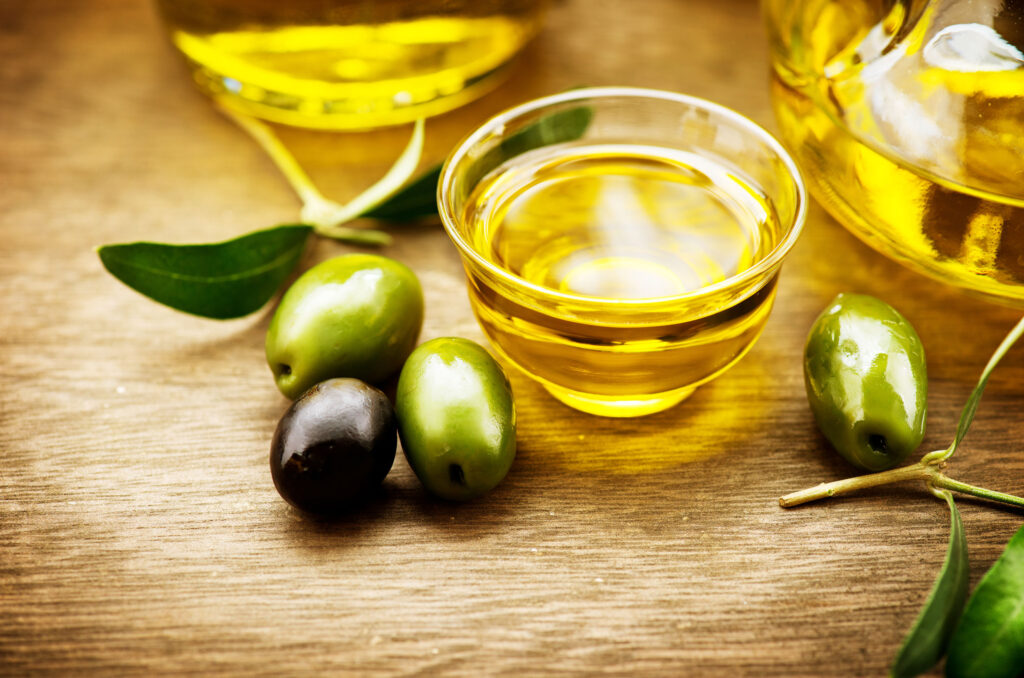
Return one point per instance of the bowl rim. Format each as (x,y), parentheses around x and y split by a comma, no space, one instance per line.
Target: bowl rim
(446,182)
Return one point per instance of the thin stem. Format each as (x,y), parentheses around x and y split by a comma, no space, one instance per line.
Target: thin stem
(971,406)
(848,485)
(326,215)
(386,186)
(939,480)
(938,456)
(919,471)
(281,156)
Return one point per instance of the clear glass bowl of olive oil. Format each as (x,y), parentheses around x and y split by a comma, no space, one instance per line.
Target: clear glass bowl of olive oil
(348,64)
(907,118)
(621,245)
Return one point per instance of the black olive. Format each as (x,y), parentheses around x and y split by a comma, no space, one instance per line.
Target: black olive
(334,446)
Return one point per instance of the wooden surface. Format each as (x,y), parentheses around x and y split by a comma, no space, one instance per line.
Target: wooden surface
(140,533)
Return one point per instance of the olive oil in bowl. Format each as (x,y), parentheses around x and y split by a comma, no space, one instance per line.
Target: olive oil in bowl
(620,274)
(620,223)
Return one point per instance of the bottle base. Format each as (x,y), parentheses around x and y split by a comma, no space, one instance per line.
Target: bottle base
(620,406)
(339,114)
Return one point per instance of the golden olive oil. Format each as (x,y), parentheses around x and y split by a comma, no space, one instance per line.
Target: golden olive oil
(627,228)
(345,64)
(907,119)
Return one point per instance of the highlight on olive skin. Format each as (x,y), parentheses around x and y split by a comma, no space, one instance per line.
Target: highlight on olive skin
(867,381)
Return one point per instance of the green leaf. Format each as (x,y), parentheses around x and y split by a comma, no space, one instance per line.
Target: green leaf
(928,637)
(221,280)
(989,642)
(414,201)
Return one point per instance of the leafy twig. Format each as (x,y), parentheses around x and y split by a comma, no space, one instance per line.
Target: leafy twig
(929,468)
(230,279)
(991,633)
(324,214)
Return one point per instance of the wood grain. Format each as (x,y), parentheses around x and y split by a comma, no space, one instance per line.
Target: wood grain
(139,530)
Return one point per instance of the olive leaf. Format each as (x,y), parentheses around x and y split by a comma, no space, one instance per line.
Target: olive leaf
(220,280)
(928,638)
(234,278)
(414,201)
(989,641)
(418,199)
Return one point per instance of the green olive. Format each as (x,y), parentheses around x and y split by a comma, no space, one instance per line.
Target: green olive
(456,418)
(867,382)
(357,316)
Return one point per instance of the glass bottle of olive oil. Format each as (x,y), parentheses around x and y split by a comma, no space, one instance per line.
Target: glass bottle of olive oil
(348,64)
(907,118)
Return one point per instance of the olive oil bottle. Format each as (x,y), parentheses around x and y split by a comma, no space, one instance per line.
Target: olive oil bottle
(907,119)
(348,64)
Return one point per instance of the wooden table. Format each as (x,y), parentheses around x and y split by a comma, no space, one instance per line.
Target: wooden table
(140,533)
